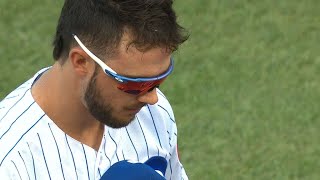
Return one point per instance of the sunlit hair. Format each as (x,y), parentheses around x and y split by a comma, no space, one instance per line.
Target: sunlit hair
(102,23)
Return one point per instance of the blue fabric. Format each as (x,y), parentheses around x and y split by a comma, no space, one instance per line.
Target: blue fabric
(124,170)
(158,163)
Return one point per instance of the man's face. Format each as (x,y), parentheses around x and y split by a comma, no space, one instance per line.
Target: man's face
(112,106)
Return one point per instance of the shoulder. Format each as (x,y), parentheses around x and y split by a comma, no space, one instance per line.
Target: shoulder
(18,97)
(20,119)
(20,134)
(158,120)
(160,113)
(163,103)
(163,106)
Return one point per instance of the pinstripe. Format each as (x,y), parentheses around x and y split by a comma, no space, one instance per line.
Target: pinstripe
(115,144)
(17,169)
(105,149)
(169,139)
(58,151)
(167,113)
(14,104)
(74,164)
(20,139)
(132,144)
(85,156)
(170,168)
(44,157)
(34,167)
(11,97)
(144,137)
(26,85)
(154,126)
(123,155)
(24,165)
(99,172)
(16,120)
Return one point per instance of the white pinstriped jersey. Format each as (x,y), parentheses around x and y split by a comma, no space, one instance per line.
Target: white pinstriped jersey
(33,147)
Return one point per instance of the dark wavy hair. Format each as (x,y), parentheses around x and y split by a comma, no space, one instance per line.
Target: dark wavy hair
(100,24)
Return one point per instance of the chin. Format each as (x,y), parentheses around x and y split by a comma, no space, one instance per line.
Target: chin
(118,122)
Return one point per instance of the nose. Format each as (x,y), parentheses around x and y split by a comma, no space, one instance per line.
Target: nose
(149,97)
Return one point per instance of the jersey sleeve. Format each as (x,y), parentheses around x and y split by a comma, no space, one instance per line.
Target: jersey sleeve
(17,165)
(4,173)
(175,169)
(8,171)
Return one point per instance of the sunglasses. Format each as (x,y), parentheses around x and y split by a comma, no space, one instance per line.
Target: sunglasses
(135,86)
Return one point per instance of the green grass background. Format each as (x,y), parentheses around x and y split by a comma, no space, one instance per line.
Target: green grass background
(245,89)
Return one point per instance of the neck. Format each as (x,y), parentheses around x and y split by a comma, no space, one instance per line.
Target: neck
(57,94)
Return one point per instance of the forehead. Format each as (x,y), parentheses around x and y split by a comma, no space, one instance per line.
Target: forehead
(131,61)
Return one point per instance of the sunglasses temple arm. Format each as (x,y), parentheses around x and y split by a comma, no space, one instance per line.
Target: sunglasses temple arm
(94,57)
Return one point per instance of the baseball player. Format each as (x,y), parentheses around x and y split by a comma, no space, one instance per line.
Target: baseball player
(97,112)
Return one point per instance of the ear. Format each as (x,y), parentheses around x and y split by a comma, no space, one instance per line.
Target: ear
(81,62)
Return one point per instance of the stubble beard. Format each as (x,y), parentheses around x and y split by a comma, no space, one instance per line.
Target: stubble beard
(100,110)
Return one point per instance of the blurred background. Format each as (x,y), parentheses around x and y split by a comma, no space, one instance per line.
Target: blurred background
(244,90)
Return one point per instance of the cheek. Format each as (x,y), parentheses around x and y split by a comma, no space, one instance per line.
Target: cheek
(82,89)
(108,89)
(110,93)
(105,84)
